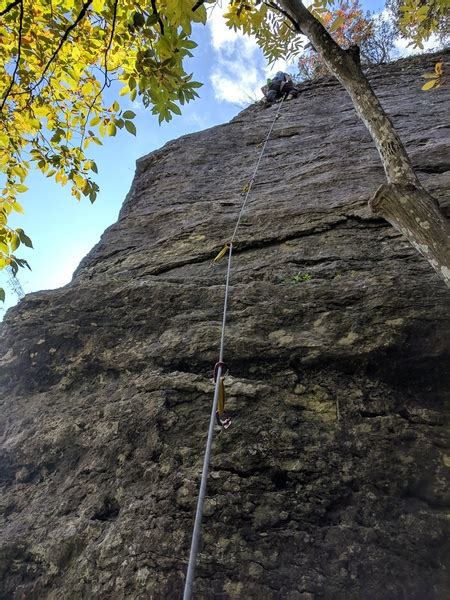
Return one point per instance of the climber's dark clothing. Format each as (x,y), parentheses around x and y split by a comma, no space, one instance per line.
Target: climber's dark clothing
(281,85)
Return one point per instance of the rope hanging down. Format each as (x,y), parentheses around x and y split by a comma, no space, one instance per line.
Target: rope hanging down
(189,584)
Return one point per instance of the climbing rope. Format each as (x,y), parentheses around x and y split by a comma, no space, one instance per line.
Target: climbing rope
(218,389)
(250,183)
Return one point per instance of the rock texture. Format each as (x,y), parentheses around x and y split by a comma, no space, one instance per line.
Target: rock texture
(333,480)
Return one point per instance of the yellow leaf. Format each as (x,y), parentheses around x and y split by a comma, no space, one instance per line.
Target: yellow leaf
(338,22)
(98,5)
(17,207)
(111,129)
(41,111)
(429,84)
(15,242)
(439,68)
(87,88)
(79,181)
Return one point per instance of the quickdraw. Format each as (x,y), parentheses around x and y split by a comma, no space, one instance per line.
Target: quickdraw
(221,253)
(222,420)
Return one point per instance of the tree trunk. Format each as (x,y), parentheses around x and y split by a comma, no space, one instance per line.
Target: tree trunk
(404,203)
(415,214)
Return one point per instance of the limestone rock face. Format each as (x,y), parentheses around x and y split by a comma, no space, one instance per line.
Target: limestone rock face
(332,481)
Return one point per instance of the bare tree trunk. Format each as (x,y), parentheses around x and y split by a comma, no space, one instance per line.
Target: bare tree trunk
(412,211)
(404,202)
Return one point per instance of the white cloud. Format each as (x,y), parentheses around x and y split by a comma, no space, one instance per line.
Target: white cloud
(240,88)
(404,49)
(236,75)
(239,68)
(401,45)
(199,121)
(221,35)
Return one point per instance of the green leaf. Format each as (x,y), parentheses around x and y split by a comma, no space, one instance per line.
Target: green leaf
(138,19)
(14,267)
(129,114)
(130,127)
(152,20)
(2,295)
(175,108)
(15,242)
(23,263)
(24,238)
(112,129)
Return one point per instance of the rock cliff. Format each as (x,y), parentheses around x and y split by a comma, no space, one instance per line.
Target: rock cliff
(332,481)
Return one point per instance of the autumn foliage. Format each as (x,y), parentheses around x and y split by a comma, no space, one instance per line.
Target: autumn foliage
(437,78)
(57,60)
(347,24)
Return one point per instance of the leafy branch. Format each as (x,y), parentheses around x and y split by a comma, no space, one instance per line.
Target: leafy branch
(197,5)
(286,14)
(108,47)
(107,82)
(19,51)
(10,6)
(66,34)
(156,13)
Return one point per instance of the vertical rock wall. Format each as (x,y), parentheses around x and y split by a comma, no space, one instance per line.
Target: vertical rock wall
(332,481)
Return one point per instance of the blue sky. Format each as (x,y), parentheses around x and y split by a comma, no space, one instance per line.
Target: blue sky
(63,230)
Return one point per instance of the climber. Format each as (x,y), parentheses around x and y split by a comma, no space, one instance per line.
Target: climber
(279,86)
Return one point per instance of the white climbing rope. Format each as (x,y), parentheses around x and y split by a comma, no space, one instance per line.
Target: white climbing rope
(250,183)
(189,583)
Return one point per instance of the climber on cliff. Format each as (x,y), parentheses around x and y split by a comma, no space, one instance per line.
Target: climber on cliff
(279,86)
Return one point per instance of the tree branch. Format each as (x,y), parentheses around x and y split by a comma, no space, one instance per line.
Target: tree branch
(111,37)
(19,51)
(197,5)
(108,48)
(286,14)
(10,6)
(66,34)
(347,70)
(414,213)
(156,13)
(403,202)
